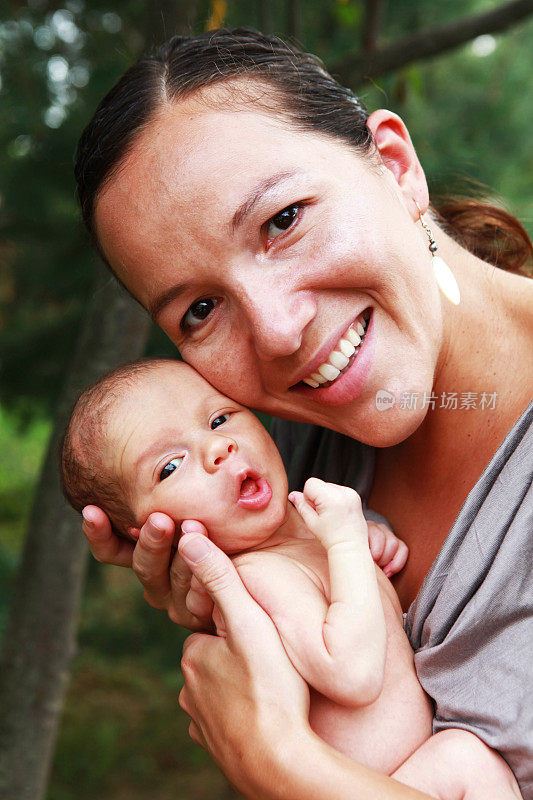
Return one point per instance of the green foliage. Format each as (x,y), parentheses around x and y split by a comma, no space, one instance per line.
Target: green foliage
(21,455)
(124,736)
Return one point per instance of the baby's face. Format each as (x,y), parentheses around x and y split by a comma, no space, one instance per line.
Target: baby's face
(177,445)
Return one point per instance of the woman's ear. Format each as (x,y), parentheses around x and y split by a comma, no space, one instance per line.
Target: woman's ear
(399,156)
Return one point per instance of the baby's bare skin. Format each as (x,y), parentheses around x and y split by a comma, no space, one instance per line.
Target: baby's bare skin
(382,734)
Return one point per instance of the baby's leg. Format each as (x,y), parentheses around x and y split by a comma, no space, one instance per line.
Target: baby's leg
(456,765)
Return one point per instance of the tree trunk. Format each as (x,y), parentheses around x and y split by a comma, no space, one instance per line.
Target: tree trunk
(39,642)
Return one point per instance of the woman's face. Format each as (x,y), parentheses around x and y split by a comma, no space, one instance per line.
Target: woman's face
(257,246)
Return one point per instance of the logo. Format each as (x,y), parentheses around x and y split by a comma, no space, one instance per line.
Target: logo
(384,400)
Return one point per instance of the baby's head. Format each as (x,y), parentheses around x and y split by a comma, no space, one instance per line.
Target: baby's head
(155,436)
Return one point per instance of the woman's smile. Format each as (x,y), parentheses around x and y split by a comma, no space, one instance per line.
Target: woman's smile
(323,372)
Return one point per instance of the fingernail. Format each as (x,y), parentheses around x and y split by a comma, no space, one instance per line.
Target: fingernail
(191,526)
(156,533)
(87,521)
(195,549)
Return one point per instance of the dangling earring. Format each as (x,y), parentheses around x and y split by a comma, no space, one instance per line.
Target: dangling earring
(443,274)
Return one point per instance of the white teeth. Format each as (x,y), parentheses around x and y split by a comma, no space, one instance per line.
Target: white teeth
(353,337)
(338,360)
(329,372)
(346,348)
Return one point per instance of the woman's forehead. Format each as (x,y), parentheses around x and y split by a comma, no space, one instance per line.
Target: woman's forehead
(192,154)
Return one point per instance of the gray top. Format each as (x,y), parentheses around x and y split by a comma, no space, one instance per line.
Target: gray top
(470,624)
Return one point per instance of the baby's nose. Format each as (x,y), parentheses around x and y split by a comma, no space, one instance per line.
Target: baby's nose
(218,450)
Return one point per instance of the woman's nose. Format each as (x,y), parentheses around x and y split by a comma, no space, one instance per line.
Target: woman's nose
(217,449)
(277,321)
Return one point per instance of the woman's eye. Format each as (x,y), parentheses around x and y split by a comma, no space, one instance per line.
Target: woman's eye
(198,311)
(282,221)
(169,468)
(218,421)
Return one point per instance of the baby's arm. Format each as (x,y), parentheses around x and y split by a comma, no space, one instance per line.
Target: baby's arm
(338,648)
(354,633)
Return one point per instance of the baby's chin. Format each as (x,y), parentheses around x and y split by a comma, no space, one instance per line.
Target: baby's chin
(250,530)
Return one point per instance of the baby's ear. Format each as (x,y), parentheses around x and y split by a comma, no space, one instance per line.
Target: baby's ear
(133,532)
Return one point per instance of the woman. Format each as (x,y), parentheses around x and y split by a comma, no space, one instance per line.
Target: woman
(255,209)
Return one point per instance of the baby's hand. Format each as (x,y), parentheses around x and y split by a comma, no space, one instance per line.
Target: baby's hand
(388,552)
(332,513)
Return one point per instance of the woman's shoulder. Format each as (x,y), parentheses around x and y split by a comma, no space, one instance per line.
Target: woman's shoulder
(495,519)
(471,623)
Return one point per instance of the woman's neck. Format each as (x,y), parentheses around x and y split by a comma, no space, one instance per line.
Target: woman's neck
(484,376)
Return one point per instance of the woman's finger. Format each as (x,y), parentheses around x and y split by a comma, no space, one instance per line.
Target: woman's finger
(105,545)
(183,701)
(217,574)
(191,607)
(200,605)
(151,559)
(194,731)
(196,735)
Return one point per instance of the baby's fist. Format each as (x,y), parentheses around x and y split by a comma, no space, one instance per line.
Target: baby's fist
(332,513)
(388,552)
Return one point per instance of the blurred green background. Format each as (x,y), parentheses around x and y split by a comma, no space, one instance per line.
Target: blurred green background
(470,114)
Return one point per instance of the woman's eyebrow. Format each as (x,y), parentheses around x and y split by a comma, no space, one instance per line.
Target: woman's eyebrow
(166,297)
(255,195)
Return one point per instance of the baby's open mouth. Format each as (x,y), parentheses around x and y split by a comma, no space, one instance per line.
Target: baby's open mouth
(254,492)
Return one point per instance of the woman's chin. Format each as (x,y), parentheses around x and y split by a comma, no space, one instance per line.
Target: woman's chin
(395,426)
(381,425)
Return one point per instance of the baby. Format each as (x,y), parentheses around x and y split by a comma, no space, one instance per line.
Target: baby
(155,436)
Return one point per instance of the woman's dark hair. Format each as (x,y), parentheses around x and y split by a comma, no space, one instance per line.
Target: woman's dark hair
(305,93)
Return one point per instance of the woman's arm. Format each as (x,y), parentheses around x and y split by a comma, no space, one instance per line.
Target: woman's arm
(249,707)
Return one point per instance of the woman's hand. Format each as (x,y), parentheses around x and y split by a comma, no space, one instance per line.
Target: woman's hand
(249,707)
(246,700)
(165,577)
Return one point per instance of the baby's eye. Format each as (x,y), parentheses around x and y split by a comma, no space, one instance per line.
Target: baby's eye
(282,221)
(169,468)
(198,311)
(220,420)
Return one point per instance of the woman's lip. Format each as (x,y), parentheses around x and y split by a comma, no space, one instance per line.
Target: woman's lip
(350,384)
(259,499)
(322,355)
